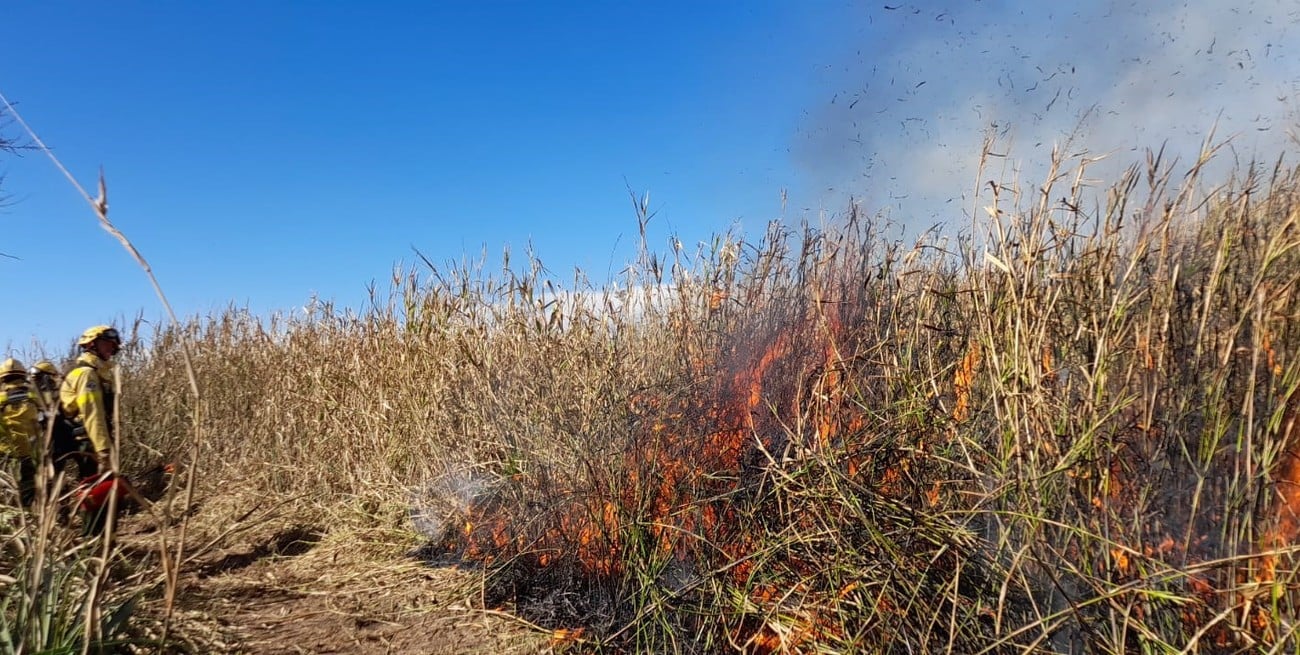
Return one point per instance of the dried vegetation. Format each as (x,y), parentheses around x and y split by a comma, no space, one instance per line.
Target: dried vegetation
(1071,430)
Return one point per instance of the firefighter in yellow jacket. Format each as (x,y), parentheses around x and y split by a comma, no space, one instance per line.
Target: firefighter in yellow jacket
(19,426)
(86,395)
(45,378)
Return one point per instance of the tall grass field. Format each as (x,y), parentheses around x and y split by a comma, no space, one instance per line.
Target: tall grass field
(1067,426)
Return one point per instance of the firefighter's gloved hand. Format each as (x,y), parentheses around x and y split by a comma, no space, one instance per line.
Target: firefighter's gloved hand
(104,461)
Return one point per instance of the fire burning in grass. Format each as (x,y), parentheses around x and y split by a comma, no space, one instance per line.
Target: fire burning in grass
(705,504)
(714,497)
(691,459)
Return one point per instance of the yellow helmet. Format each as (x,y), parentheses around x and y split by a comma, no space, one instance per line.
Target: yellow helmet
(99,332)
(45,366)
(12,368)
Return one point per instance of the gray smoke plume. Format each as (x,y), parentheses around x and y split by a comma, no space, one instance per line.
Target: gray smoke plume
(902,125)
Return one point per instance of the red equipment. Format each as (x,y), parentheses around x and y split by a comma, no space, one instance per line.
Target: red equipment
(95,492)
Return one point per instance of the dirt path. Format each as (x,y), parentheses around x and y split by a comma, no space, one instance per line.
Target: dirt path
(281,585)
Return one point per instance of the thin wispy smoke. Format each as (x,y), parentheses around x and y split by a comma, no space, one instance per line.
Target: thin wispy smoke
(907,113)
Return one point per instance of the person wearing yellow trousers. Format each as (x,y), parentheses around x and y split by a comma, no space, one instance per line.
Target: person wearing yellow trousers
(19,425)
(86,395)
(86,399)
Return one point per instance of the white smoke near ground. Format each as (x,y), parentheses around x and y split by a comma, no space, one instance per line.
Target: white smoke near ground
(907,115)
(445,498)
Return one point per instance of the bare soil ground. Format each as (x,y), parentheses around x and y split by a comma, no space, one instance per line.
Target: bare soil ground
(261,582)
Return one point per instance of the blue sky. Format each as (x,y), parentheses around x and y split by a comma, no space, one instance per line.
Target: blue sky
(261,153)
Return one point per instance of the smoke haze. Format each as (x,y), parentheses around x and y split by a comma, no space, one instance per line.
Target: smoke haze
(910,106)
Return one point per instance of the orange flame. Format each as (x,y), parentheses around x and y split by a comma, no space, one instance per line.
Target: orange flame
(1286,480)
(692,456)
(962,382)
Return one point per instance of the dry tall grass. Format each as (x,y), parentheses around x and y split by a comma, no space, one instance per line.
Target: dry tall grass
(1068,432)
